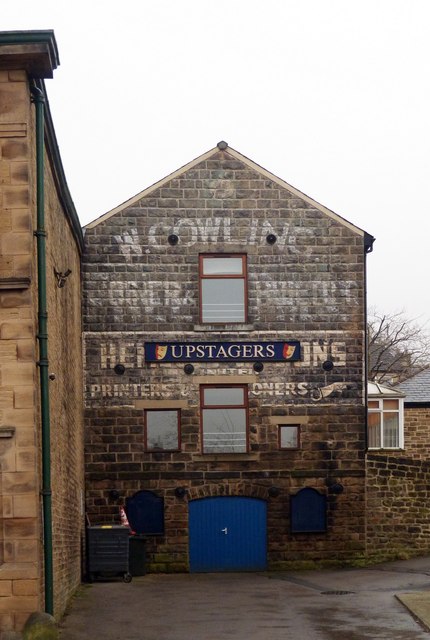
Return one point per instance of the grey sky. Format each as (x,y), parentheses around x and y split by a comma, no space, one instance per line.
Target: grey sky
(333,96)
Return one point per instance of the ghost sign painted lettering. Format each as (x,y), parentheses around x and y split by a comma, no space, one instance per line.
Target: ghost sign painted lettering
(222,351)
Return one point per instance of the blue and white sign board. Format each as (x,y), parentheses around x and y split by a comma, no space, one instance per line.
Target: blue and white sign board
(222,351)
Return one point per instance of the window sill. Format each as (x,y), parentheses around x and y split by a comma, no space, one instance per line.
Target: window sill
(223,327)
(158,452)
(225,457)
(385,448)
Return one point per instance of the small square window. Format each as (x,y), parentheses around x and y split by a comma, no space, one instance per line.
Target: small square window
(223,288)
(162,430)
(289,436)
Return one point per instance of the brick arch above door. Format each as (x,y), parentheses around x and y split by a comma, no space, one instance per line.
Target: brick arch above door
(246,489)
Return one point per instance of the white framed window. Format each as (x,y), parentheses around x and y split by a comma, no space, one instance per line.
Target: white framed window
(385,423)
(224,418)
(162,430)
(223,288)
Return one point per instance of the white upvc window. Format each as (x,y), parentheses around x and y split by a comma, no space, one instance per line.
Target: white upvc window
(385,423)
(224,417)
(223,288)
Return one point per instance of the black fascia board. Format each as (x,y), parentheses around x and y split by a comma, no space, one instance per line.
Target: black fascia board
(417,405)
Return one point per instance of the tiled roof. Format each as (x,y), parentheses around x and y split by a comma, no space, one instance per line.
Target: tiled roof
(417,388)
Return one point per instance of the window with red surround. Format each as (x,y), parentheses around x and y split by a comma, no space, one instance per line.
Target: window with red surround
(224,418)
(223,288)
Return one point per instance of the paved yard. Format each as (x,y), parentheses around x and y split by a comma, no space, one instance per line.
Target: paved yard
(315,605)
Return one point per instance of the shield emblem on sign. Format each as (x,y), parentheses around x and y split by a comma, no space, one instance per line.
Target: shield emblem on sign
(288,350)
(160,351)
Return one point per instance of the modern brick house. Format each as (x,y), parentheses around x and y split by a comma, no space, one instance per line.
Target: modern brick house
(224,319)
(385,424)
(398,469)
(41,425)
(417,414)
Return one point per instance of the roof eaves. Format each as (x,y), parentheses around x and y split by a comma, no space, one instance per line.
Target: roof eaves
(34,51)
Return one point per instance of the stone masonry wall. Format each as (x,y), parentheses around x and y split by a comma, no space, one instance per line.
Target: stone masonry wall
(66,410)
(21,551)
(313,274)
(19,516)
(397,506)
(308,286)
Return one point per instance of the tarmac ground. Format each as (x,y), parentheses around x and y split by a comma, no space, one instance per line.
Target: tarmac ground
(389,601)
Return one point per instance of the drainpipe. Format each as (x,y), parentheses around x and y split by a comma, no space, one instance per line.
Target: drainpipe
(368,248)
(38,98)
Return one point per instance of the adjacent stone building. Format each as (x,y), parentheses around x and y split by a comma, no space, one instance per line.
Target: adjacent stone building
(41,426)
(224,319)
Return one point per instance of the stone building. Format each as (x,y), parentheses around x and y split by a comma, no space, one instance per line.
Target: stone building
(41,425)
(224,343)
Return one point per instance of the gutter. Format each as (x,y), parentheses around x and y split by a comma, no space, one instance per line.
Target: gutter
(412,404)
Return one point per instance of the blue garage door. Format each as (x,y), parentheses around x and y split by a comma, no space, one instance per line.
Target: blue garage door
(227,534)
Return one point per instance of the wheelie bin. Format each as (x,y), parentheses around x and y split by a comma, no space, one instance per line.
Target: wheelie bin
(108,552)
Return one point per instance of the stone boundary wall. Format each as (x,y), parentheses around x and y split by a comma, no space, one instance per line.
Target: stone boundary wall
(398,492)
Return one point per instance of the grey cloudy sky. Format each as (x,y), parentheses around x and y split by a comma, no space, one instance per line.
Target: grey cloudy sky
(333,96)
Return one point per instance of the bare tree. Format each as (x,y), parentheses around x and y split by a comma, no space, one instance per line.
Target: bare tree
(398,347)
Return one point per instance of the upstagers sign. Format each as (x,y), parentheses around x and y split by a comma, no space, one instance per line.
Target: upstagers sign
(222,351)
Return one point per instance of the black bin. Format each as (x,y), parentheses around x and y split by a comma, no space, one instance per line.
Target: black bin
(137,555)
(108,551)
